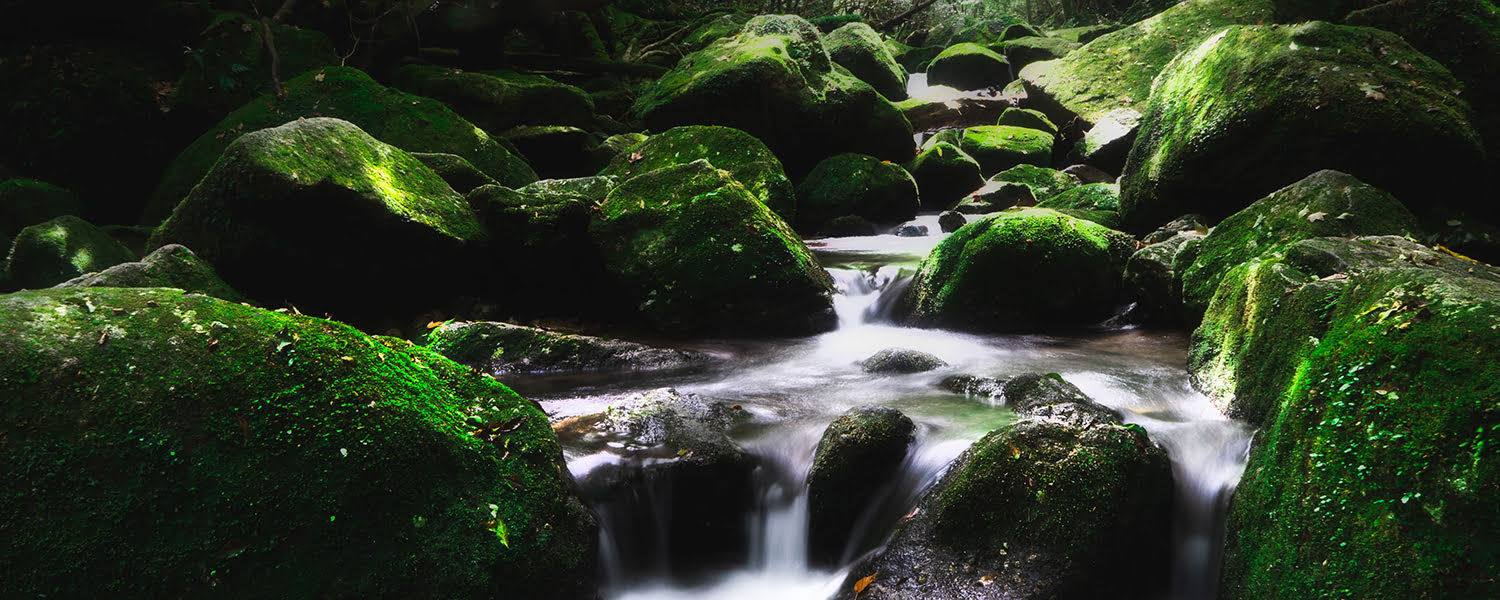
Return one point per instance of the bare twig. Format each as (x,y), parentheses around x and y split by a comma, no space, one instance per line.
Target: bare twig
(901,18)
(281,13)
(275,59)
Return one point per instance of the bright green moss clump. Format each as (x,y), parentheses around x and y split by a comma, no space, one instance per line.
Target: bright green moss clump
(499,100)
(1019,269)
(1097,202)
(320,213)
(699,255)
(1253,109)
(1044,183)
(169,444)
(746,159)
(854,184)
(50,253)
(1383,447)
(859,48)
(969,66)
(1030,119)
(944,175)
(1000,147)
(412,123)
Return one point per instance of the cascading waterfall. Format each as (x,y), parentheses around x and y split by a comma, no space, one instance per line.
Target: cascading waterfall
(798,386)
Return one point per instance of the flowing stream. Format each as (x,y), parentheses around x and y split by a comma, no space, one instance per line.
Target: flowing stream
(795,387)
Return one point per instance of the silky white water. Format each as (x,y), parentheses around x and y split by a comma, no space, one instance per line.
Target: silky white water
(797,386)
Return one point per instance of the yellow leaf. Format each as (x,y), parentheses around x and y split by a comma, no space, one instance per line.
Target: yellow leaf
(434,324)
(864,582)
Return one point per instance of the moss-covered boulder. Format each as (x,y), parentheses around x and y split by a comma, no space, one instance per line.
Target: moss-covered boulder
(277,455)
(1086,33)
(318,213)
(49,253)
(1325,204)
(1067,271)
(913,59)
(859,48)
(499,100)
(170,266)
(858,458)
(1097,202)
(412,123)
(745,158)
(775,81)
(901,360)
(1050,396)
(455,171)
(537,232)
(1044,183)
(228,64)
(1464,35)
(673,450)
(1153,281)
(996,196)
(1257,108)
(698,255)
(1000,147)
(944,175)
(720,27)
(1024,51)
(26,202)
(1116,70)
(559,151)
(1048,507)
(1381,441)
(969,66)
(1107,144)
(855,184)
(1028,118)
(503,349)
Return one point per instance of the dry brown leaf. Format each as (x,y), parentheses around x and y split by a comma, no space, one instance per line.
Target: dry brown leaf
(864,582)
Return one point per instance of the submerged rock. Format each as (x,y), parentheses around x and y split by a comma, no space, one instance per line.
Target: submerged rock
(698,255)
(950,221)
(910,230)
(1067,271)
(1048,507)
(859,456)
(170,266)
(1048,395)
(901,360)
(267,453)
(46,254)
(854,184)
(503,348)
(318,213)
(1254,109)
(973,385)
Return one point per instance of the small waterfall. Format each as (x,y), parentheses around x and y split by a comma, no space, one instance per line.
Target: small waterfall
(866,297)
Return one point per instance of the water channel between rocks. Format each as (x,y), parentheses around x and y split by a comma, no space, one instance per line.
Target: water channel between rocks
(794,388)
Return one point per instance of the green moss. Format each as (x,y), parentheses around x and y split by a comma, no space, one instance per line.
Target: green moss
(855,184)
(944,175)
(1116,70)
(499,100)
(1253,109)
(698,254)
(1385,447)
(408,122)
(1024,51)
(26,202)
(722,26)
(1025,117)
(746,159)
(1000,147)
(1325,204)
(1085,34)
(969,66)
(163,443)
(859,48)
(1066,270)
(1093,196)
(455,171)
(1044,183)
(170,266)
(55,251)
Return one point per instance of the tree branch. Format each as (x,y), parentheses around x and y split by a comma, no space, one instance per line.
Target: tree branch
(901,18)
(275,59)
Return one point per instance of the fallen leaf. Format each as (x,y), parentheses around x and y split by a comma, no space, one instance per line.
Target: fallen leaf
(1317,216)
(1335,277)
(864,582)
(987,580)
(320,77)
(434,324)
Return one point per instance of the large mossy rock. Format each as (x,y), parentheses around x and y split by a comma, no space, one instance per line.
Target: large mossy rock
(503,349)
(859,457)
(969,66)
(497,101)
(170,444)
(228,64)
(537,232)
(855,184)
(1067,505)
(1024,51)
(455,171)
(1116,70)
(944,175)
(26,202)
(46,254)
(1000,147)
(318,213)
(1325,204)
(412,123)
(1097,202)
(859,48)
(1044,183)
(745,158)
(170,266)
(1020,269)
(699,255)
(775,81)
(1382,445)
(1256,108)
